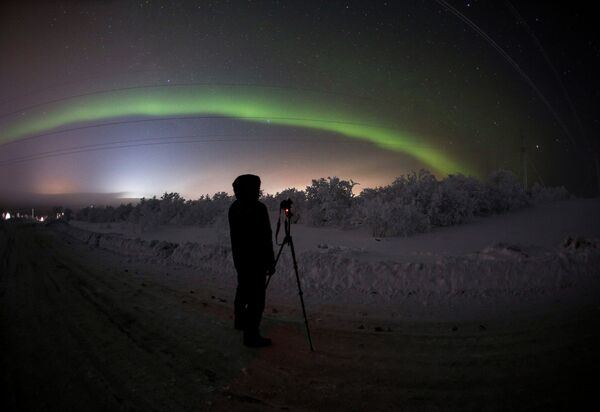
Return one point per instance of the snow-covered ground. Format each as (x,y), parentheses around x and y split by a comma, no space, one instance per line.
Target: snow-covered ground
(109,323)
(499,314)
(497,261)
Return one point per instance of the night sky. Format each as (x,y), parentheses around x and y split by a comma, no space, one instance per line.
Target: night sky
(105,100)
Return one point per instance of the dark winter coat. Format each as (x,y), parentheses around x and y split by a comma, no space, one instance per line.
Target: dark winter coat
(250,228)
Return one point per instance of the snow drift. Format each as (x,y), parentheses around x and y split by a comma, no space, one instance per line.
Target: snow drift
(342,275)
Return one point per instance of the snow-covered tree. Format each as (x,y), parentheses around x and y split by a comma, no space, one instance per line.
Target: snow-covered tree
(456,200)
(413,203)
(328,201)
(542,194)
(505,192)
(393,217)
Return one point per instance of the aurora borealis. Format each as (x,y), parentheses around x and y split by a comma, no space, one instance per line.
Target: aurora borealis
(287,109)
(290,91)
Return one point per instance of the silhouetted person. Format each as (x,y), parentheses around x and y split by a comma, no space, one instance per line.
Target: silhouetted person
(252,247)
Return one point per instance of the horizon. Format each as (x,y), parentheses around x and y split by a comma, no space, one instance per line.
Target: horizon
(48,201)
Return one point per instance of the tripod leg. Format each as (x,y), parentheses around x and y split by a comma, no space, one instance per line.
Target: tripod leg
(291,243)
(280,250)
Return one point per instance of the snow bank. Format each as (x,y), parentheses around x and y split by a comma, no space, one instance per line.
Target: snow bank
(339,275)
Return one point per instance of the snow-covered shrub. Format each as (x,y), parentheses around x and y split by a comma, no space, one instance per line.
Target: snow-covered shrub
(171,208)
(411,204)
(363,205)
(219,206)
(392,218)
(414,189)
(149,213)
(541,194)
(96,214)
(455,200)
(269,201)
(504,192)
(206,211)
(122,212)
(196,212)
(400,209)
(328,201)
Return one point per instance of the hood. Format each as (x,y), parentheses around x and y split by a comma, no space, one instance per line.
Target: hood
(246,187)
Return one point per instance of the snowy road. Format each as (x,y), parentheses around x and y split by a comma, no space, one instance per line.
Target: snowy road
(85,329)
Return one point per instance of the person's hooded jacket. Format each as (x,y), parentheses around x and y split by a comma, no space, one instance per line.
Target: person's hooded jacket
(250,228)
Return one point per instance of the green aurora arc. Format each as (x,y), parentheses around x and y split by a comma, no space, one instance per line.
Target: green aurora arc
(309,110)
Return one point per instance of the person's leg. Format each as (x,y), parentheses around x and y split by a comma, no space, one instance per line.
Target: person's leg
(239,305)
(254,311)
(256,305)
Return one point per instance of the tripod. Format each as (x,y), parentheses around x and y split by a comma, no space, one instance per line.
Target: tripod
(287,240)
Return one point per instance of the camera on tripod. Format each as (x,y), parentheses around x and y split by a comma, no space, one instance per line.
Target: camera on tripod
(286,206)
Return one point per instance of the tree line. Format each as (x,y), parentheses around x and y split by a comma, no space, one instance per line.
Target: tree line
(412,203)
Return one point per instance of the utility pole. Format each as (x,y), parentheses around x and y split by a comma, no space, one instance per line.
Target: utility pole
(524,160)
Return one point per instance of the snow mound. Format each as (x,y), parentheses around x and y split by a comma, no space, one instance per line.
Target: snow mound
(504,251)
(581,244)
(338,275)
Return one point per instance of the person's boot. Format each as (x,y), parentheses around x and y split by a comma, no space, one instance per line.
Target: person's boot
(239,317)
(254,340)
(238,322)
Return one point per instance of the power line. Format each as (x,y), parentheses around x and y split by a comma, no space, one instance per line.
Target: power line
(166,140)
(551,65)
(177,85)
(562,86)
(195,117)
(125,144)
(70,82)
(537,172)
(513,64)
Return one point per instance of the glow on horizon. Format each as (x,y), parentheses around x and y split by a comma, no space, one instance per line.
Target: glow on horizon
(285,108)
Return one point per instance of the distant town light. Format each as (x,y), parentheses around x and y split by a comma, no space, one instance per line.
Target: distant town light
(7,216)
